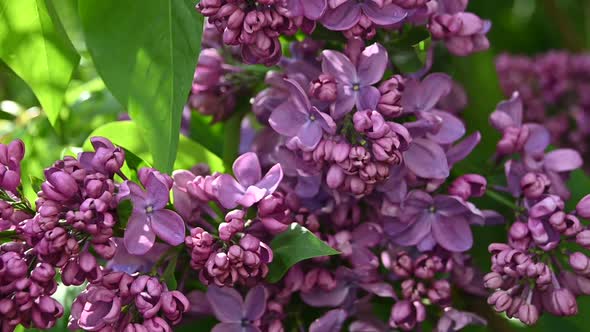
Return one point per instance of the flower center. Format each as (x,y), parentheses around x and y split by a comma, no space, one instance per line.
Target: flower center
(149,209)
(356,87)
(312,117)
(432,209)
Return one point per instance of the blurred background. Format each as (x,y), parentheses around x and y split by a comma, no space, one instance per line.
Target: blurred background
(525,27)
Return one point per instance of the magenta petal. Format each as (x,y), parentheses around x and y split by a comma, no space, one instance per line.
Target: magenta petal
(331,321)
(387,15)
(417,231)
(342,17)
(339,66)
(169,226)
(255,303)
(462,149)
(230,327)
(345,102)
(452,233)
(368,98)
(314,9)
(252,196)
(372,64)
(247,169)
(309,135)
(286,119)
(427,159)
(228,191)
(451,128)
(271,179)
(158,193)
(139,237)
(563,160)
(226,303)
(538,140)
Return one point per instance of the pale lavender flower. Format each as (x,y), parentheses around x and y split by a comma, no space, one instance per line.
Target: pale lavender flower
(298,119)
(150,217)
(234,313)
(250,186)
(355,82)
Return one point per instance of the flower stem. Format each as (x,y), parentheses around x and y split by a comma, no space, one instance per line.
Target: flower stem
(501,199)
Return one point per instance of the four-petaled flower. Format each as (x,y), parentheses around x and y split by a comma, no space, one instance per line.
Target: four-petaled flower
(344,14)
(235,314)
(250,186)
(150,217)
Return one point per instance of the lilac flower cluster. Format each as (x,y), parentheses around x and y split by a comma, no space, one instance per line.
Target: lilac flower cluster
(257,25)
(553,89)
(529,275)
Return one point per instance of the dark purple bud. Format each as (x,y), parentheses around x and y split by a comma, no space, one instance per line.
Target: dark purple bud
(406,315)
(60,186)
(324,88)
(390,105)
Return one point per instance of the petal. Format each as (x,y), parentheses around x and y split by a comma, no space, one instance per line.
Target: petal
(139,237)
(169,226)
(453,233)
(271,179)
(342,17)
(331,321)
(417,231)
(255,304)
(430,91)
(226,303)
(293,8)
(372,64)
(228,327)
(513,108)
(339,66)
(228,191)
(451,128)
(252,196)
(427,159)
(247,169)
(157,192)
(314,9)
(381,289)
(449,206)
(387,15)
(309,135)
(297,95)
(368,98)
(345,102)
(325,121)
(320,298)
(286,119)
(538,140)
(308,186)
(462,149)
(563,160)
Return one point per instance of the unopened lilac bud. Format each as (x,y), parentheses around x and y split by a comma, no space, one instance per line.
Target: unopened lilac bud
(250,243)
(335,177)
(528,314)
(580,263)
(294,279)
(493,280)
(174,304)
(534,185)
(406,315)
(561,302)
(501,300)
(583,238)
(60,186)
(340,152)
(391,94)
(233,225)
(583,207)
(468,185)
(324,88)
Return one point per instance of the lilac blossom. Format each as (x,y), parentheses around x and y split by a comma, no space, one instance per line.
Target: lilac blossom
(11,156)
(150,217)
(234,313)
(355,82)
(298,119)
(426,221)
(250,186)
(345,14)
(311,9)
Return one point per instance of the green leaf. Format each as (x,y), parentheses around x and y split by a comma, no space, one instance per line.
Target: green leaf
(168,276)
(35,46)
(292,246)
(127,135)
(579,186)
(207,133)
(146,53)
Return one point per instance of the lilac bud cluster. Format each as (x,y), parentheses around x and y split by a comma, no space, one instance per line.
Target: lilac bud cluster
(124,302)
(11,156)
(25,292)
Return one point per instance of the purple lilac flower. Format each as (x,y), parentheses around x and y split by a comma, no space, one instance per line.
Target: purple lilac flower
(463,33)
(355,82)
(311,9)
(234,313)
(344,14)
(150,217)
(426,221)
(250,186)
(11,156)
